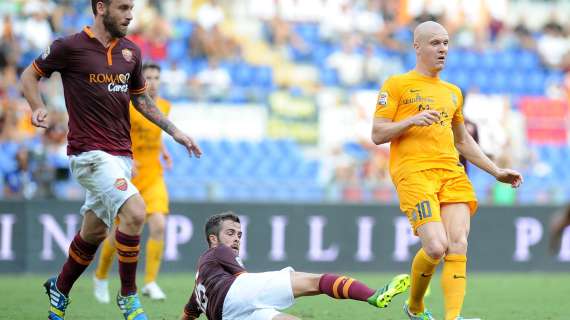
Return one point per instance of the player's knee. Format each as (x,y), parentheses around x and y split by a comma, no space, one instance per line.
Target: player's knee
(435,249)
(134,212)
(458,245)
(94,235)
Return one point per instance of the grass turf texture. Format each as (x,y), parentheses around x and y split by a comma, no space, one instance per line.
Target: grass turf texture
(489,296)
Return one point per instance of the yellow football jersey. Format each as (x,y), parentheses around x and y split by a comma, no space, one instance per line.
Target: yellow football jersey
(147,140)
(420,148)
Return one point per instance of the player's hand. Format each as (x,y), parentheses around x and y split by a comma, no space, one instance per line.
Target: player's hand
(40,118)
(509,176)
(425,118)
(188,142)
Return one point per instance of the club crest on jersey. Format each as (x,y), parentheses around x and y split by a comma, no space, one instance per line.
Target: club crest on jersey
(121,184)
(45,54)
(127,54)
(383,98)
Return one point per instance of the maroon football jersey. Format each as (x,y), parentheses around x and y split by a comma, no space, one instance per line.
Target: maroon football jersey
(218,268)
(97,84)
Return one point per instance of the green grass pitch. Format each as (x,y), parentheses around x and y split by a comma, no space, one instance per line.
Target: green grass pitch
(489,296)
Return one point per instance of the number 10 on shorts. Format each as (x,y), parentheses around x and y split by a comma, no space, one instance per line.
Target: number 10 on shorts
(424,209)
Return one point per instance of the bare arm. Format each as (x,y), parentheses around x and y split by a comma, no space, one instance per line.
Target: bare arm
(30,87)
(384,130)
(471,151)
(146,106)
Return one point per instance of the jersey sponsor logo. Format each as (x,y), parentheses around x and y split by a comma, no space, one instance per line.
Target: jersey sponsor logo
(418,98)
(121,184)
(127,54)
(115,82)
(383,98)
(46,52)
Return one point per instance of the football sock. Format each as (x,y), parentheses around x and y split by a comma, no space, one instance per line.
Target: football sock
(80,256)
(341,287)
(423,268)
(128,252)
(453,282)
(105,260)
(153,258)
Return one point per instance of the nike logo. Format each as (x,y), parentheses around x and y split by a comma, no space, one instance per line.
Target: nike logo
(414,90)
(458,277)
(426,275)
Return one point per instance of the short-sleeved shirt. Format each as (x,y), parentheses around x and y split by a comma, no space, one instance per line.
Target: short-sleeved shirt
(218,268)
(421,148)
(97,84)
(147,140)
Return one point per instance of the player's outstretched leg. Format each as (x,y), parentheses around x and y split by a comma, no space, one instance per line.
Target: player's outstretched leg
(343,287)
(383,296)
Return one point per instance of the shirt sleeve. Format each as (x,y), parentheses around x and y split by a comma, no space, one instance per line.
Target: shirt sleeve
(388,100)
(138,84)
(458,115)
(191,309)
(52,59)
(228,259)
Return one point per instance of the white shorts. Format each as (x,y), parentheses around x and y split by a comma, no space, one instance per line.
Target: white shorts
(107,180)
(258,296)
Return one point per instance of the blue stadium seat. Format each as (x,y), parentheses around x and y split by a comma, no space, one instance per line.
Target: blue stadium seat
(183,29)
(329,77)
(528,60)
(507,60)
(177,50)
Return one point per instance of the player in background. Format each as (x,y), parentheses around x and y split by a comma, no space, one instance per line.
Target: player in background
(225,290)
(148,178)
(101,72)
(421,116)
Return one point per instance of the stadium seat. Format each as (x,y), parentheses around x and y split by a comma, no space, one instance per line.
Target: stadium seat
(177,50)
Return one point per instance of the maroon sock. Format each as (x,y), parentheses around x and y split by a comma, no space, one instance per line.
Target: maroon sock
(341,287)
(80,255)
(128,253)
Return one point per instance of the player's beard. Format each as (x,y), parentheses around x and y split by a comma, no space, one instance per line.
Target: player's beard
(113,27)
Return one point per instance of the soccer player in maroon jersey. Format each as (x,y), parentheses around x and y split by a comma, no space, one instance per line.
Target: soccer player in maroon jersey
(101,72)
(225,290)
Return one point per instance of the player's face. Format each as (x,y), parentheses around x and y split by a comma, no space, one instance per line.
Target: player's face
(432,51)
(117,17)
(230,234)
(152,77)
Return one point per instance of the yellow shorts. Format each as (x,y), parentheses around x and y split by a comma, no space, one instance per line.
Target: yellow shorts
(421,194)
(153,191)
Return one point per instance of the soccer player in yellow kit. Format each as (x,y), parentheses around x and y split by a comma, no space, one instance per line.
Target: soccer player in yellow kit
(147,177)
(421,115)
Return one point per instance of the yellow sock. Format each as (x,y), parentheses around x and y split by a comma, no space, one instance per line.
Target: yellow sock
(453,282)
(423,268)
(153,258)
(105,260)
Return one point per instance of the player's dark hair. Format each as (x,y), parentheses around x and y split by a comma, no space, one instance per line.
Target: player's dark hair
(94,5)
(214,223)
(151,65)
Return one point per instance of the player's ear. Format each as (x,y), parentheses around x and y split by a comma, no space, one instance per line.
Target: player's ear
(213,240)
(101,7)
